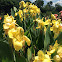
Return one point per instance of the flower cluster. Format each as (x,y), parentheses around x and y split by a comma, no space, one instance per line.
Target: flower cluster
(9,23)
(27,9)
(42,57)
(56,25)
(56,48)
(42,32)
(15,33)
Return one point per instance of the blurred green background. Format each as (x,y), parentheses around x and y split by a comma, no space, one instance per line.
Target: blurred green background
(46,9)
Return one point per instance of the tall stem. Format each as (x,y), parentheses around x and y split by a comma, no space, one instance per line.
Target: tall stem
(14,56)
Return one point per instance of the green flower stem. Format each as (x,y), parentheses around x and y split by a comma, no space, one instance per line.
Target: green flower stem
(14,56)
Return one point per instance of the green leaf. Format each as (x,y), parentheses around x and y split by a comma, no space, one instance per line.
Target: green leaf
(19,22)
(40,41)
(5,51)
(47,38)
(59,38)
(1,34)
(15,9)
(52,40)
(31,25)
(12,12)
(6,60)
(32,49)
(1,28)
(33,33)
(26,32)
(24,25)
(20,58)
(29,54)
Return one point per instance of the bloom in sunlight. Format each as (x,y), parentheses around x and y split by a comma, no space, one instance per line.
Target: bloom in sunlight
(53,48)
(53,17)
(56,27)
(58,56)
(40,22)
(42,57)
(9,23)
(18,38)
(22,4)
(27,9)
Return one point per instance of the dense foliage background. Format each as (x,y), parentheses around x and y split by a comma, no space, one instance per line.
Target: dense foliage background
(6,5)
(29,21)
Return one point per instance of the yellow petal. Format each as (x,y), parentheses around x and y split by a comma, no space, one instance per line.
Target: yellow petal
(10,34)
(41,55)
(27,40)
(57,58)
(17,45)
(5,26)
(51,28)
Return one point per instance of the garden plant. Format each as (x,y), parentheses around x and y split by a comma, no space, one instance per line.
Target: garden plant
(26,36)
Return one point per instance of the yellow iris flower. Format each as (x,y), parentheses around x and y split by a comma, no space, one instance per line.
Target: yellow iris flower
(27,9)
(53,48)
(18,37)
(9,23)
(42,57)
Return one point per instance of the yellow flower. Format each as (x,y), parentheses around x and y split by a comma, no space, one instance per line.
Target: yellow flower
(41,23)
(9,23)
(51,28)
(57,24)
(59,50)
(38,11)
(42,57)
(25,10)
(9,19)
(51,52)
(17,45)
(27,40)
(34,9)
(56,28)
(31,11)
(37,59)
(55,35)
(56,44)
(22,4)
(20,13)
(12,33)
(28,9)
(57,58)
(47,22)
(47,58)
(53,48)
(53,21)
(41,54)
(59,20)
(52,16)
(18,37)
(16,14)
(60,55)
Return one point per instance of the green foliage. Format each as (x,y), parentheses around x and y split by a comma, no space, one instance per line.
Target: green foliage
(39,38)
(12,12)
(47,38)
(29,54)
(5,51)
(19,58)
(6,5)
(6,60)
(59,38)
